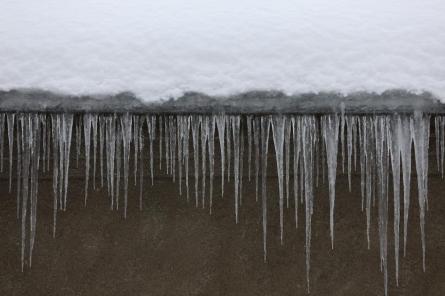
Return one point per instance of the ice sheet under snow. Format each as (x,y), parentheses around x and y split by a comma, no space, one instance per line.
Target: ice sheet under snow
(162,49)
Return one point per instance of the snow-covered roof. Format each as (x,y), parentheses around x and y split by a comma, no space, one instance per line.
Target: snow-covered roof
(163,49)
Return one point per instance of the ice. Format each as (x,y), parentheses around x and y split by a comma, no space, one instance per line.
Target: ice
(420,135)
(308,134)
(140,154)
(87,123)
(265,127)
(204,139)
(278,128)
(2,136)
(381,143)
(102,135)
(249,144)
(287,153)
(126,124)
(196,123)
(330,127)
(235,122)
(95,136)
(10,119)
(229,146)
(212,121)
(382,170)
(296,130)
(136,138)
(256,141)
(395,138)
(221,126)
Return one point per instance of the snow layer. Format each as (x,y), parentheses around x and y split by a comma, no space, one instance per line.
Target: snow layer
(162,49)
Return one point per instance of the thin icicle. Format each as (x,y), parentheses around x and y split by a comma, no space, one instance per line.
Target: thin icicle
(204,138)
(221,126)
(10,118)
(196,123)
(2,136)
(95,134)
(287,152)
(235,121)
(265,126)
(211,158)
(382,171)
(278,128)
(256,141)
(296,129)
(395,139)
(249,144)
(420,133)
(87,122)
(126,125)
(308,135)
(330,126)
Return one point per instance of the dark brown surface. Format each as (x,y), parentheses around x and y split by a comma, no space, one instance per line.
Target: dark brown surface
(173,248)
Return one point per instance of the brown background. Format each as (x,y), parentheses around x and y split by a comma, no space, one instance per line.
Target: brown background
(173,248)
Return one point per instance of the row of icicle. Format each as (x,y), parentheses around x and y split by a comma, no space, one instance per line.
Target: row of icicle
(303,144)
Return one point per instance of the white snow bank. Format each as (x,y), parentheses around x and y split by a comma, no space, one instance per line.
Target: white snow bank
(160,49)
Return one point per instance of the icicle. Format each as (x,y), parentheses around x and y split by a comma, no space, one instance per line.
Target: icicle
(204,137)
(126,125)
(27,137)
(342,138)
(241,167)
(19,162)
(330,126)
(235,121)
(249,143)
(256,141)
(173,137)
(102,123)
(420,133)
(395,139)
(43,142)
(265,126)
(229,147)
(167,145)
(196,122)
(185,148)
(136,146)
(278,128)
(287,141)
(221,126)
(362,141)
(296,129)
(180,136)
(2,136)
(10,120)
(110,154)
(350,128)
(442,144)
(141,161)
(95,133)
(118,158)
(160,141)
(382,171)
(211,157)
(87,121)
(151,128)
(78,142)
(308,135)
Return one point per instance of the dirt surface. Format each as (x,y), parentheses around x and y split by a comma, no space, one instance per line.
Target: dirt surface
(173,248)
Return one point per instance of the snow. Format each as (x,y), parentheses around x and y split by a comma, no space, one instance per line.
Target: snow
(162,49)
